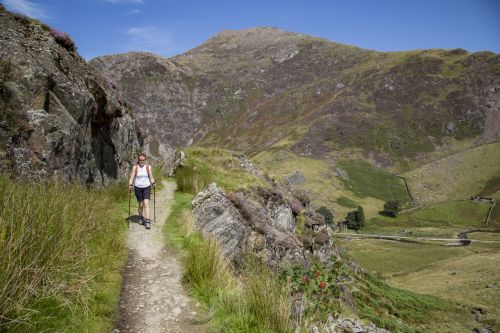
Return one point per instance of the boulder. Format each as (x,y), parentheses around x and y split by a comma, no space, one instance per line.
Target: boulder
(263,226)
(349,325)
(216,216)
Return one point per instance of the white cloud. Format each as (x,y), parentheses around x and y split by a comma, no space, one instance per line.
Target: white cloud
(149,38)
(127,1)
(25,7)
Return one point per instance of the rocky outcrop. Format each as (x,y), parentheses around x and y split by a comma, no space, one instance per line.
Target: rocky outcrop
(347,325)
(167,101)
(259,224)
(59,117)
(216,216)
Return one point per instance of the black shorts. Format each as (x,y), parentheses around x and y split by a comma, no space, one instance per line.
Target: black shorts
(142,193)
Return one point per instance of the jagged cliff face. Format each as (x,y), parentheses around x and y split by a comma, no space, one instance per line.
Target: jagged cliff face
(59,117)
(261,87)
(167,108)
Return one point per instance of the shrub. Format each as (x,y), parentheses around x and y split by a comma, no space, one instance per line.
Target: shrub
(327,214)
(352,220)
(255,216)
(318,284)
(391,208)
(64,40)
(295,206)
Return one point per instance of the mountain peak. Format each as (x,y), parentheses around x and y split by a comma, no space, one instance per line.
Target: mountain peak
(254,38)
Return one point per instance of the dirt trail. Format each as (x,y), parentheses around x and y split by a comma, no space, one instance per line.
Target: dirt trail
(152,299)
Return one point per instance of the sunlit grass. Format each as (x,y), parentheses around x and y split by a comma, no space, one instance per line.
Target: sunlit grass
(61,248)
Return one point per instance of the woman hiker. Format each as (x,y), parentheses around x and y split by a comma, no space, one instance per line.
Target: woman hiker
(141,178)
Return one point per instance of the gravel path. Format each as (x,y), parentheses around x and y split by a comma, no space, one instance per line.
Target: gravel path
(152,298)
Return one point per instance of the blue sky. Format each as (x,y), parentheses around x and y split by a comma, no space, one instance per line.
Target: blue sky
(101,27)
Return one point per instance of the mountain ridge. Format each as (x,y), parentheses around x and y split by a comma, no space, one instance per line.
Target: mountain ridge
(249,89)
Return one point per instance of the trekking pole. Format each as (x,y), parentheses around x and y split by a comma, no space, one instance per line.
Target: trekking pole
(154,203)
(128,218)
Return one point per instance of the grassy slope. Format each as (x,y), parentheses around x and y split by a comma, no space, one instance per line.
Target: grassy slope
(205,165)
(472,279)
(365,185)
(378,302)
(444,219)
(457,176)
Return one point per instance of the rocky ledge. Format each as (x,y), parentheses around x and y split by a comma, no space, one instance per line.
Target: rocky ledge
(262,223)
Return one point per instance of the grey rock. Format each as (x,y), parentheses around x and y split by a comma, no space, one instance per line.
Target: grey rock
(60,118)
(349,325)
(281,215)
(296,178)
(215,215)
(262,227)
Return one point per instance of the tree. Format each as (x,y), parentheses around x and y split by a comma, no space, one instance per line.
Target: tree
(391,208)
(356,219)
(361,217)
(327,214)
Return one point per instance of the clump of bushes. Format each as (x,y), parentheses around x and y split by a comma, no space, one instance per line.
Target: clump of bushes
(318,285)
(64,40)
(391,208)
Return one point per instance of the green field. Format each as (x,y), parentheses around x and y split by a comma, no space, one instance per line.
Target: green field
(366,180)
(467,275)
(438,220)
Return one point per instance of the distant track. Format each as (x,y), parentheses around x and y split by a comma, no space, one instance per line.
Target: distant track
(415,239)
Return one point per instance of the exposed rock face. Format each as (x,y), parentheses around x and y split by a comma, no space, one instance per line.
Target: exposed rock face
(59,117)
(348,325)
(216,216)
(167,101)
(246,224)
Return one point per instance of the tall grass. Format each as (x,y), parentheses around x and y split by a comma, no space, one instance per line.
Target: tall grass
(61,248)
(192,180)
(253,301)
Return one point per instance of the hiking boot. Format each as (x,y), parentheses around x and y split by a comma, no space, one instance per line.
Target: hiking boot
(141,219)
(147,224)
